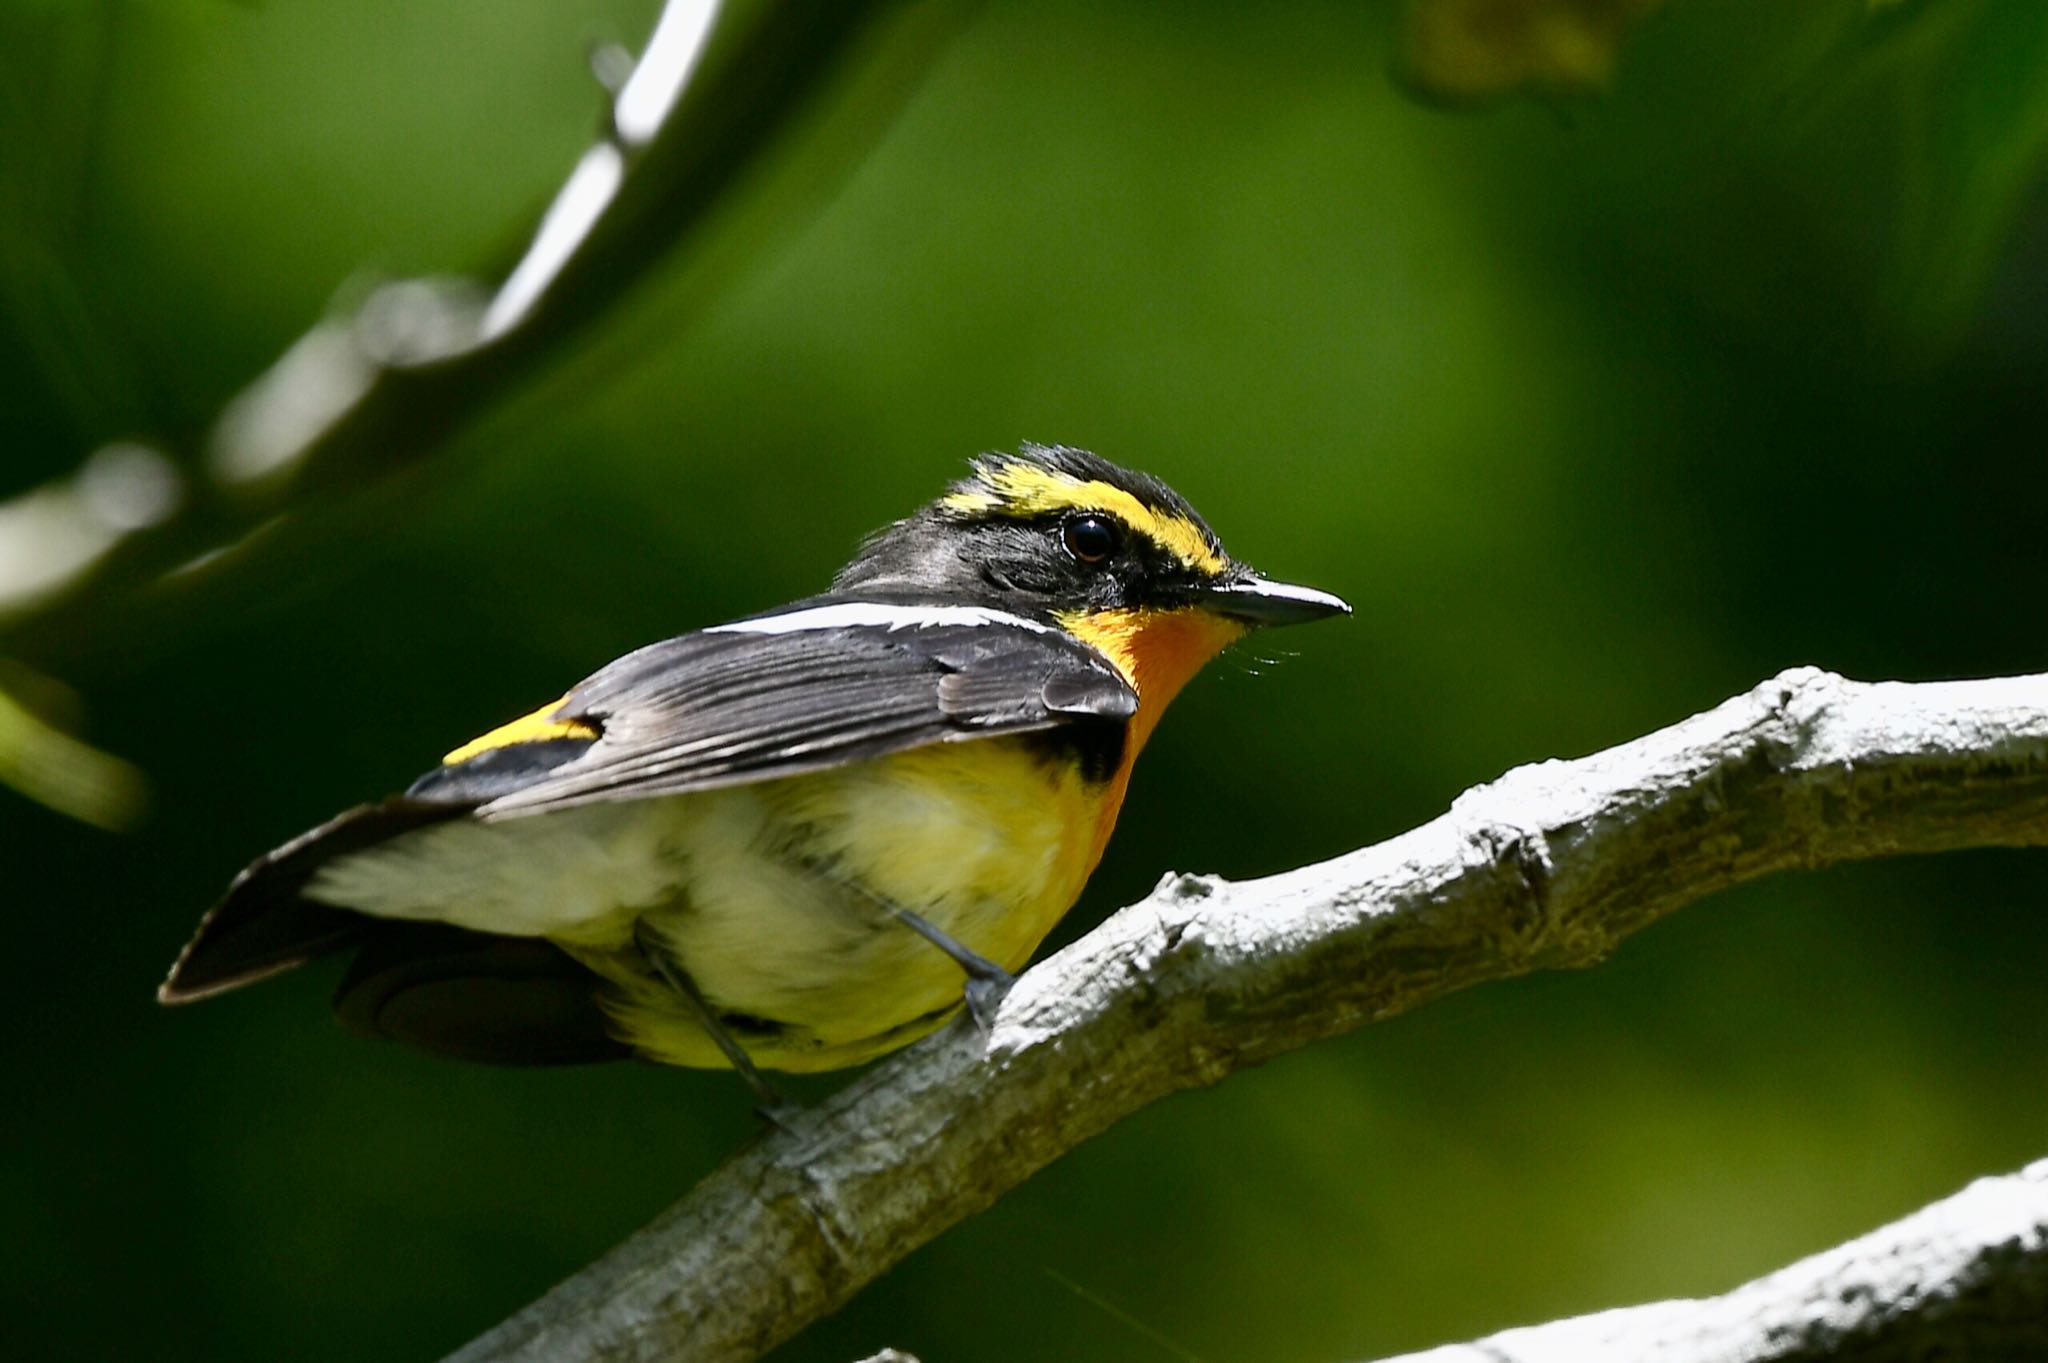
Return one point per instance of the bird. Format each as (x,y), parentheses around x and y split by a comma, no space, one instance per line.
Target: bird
(794,841)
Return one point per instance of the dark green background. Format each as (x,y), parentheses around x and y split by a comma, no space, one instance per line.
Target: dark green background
(1598,413)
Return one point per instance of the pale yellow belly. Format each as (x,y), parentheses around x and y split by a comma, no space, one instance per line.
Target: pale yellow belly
(775,897)
(788,886)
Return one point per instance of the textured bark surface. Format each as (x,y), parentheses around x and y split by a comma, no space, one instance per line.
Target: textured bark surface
(1550,866)
(1964,1279)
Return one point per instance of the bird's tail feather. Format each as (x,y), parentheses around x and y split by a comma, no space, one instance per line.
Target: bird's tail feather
(264,924)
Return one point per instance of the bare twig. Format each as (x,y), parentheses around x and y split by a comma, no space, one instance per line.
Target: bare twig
(1550,866)
(1966,1278)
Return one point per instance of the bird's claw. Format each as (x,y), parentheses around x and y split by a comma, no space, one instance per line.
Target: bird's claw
(985,994)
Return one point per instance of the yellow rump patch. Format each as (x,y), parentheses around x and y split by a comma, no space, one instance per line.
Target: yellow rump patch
(534,728)
(1021,489)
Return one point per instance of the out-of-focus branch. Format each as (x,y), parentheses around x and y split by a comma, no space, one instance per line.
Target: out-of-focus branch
(1550,866)
(1966,1278)
(719,88)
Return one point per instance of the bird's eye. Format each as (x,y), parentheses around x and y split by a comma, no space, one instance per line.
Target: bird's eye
(1091,539)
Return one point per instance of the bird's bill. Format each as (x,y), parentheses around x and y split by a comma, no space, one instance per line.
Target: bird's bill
(1258,601)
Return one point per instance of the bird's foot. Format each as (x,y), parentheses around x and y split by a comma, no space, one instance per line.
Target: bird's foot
(985,994)
(777,1111)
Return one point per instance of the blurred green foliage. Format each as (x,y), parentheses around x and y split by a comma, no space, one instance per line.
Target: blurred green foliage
(1475,49)
(1598,412)
(44,763)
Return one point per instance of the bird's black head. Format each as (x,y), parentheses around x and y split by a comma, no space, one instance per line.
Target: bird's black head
(1057,531)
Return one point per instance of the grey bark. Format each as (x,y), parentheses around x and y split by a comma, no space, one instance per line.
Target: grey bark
(1550,866)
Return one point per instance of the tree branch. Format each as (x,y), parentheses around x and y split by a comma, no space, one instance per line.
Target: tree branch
(1964,1278)
(1550,866)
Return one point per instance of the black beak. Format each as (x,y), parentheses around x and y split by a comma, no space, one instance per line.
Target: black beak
(1256,601)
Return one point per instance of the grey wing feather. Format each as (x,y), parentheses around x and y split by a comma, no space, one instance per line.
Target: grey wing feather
(723,708)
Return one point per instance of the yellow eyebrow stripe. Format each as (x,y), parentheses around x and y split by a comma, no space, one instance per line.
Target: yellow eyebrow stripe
(1020,489)
(534,728)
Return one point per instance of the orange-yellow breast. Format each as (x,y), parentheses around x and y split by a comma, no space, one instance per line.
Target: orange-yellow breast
(1159,652)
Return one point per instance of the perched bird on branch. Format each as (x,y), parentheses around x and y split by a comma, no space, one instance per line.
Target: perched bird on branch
(783,842)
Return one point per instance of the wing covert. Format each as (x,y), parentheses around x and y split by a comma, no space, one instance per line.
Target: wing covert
(817,685)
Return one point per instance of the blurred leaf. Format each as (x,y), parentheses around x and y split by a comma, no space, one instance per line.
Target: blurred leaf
(1476,49)
(52,768)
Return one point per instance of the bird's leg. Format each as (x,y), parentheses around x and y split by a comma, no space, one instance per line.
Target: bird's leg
(769,1102)
(987,982)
